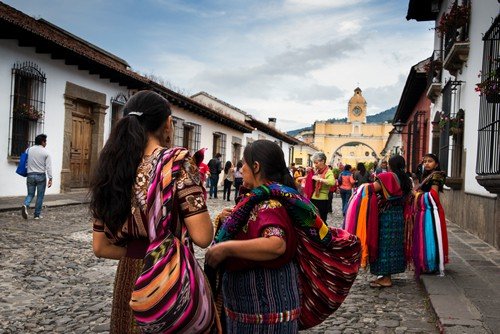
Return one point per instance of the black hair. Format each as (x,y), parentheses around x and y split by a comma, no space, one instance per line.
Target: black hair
(347,167)
(361,168)
(228,165)
(239,164)
(438,167)
(40,139)
(271,159)
(397,165)
(114,176)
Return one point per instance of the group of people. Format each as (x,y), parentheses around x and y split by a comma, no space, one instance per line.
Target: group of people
(232,177)
(255,242)
(409,228)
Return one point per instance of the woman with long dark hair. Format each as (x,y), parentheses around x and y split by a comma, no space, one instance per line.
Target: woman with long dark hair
(382,235)
(238,179)
(430,238)
(121,204)
(228,180)
(394,187)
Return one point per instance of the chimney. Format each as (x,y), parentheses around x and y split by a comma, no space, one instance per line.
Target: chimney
(271,122)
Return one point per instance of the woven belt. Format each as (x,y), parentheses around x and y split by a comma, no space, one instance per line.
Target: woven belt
(268,318)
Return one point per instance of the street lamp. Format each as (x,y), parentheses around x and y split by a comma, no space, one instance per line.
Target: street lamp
(398,125)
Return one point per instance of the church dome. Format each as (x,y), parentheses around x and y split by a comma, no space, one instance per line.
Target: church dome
(357,98)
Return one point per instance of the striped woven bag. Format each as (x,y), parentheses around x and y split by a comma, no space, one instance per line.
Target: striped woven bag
(172,294)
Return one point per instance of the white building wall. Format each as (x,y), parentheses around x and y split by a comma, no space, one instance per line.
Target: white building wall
(57,74)
(208,128)
(482,14)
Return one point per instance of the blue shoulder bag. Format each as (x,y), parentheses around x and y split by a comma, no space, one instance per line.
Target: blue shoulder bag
(22,168)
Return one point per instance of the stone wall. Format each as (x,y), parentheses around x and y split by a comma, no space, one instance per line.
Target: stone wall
(479,215)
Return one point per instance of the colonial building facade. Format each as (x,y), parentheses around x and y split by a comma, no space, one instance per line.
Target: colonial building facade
(352,141)
(55,83)
(464,110)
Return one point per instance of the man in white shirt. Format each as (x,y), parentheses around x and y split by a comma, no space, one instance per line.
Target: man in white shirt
(39,169)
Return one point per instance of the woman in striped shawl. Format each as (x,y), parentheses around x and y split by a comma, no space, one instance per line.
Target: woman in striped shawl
(120,202)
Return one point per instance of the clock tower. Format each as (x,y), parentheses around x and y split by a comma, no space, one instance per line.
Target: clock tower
(357,108)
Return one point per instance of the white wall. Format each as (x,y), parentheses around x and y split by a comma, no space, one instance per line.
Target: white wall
(57,74)
(482,14)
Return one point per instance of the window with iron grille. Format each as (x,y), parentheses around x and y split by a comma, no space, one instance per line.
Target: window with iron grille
(27,110)
(191,136)
(117,104)
(178,131)
(451,113)
(488,159)
(220,144)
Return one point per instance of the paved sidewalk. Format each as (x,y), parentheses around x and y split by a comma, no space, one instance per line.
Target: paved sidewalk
(71,198)
(465,300)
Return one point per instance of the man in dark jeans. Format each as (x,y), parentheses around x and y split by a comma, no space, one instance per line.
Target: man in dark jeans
(215,167)
(39,169)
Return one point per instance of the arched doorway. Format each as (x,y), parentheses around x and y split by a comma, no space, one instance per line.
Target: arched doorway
(353,152)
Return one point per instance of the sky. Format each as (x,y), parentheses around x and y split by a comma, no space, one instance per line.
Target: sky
(296,60)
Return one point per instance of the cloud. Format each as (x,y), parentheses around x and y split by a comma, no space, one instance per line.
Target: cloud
(316,92)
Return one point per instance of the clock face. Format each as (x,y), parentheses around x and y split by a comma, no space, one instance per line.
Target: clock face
(356,111)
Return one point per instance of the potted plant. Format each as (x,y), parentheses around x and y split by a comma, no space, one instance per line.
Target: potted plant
(433,67)
(455,123)
(457,17)
(27,111)
(489,86)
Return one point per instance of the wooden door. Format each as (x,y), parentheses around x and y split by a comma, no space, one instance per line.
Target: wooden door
(81,143)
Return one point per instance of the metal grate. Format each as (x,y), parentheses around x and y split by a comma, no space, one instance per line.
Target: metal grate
(178,132)
(27,110)
(450,148)
(457,33)
(220,144)
(191,139)
(488,158)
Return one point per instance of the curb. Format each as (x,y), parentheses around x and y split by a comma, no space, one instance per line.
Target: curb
(454,312)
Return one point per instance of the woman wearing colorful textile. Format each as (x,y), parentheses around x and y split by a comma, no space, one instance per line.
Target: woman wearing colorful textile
(261,244)
(259,259)
(430,238)
(228,180)
(394,188)
(322,180)
(382,235)
(120,201)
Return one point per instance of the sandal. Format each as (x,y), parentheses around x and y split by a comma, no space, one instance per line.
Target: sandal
(377,284)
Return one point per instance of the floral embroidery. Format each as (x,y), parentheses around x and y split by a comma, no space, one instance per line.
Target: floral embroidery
(273,231)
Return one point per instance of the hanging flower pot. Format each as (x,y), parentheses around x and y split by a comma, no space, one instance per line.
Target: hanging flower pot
(455,131)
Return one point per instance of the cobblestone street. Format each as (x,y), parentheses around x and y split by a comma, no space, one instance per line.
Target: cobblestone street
(52,283)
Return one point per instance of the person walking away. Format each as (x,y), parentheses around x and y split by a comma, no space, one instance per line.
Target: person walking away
(322,181)
(122,190)
(228,180)
(215,167)
(39,169)
(238,179)
(430,237)
(361,176)
(346,182)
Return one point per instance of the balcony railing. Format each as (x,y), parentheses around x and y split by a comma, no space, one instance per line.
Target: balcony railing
(434,70)
(456,38)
